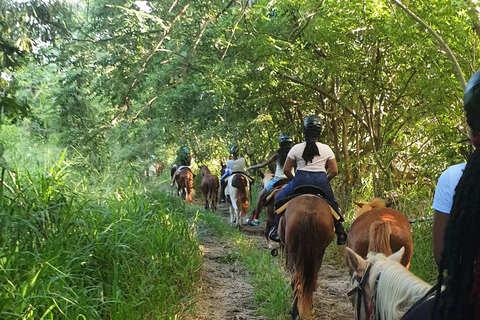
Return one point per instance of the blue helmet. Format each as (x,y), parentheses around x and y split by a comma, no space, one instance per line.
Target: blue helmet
(285,140)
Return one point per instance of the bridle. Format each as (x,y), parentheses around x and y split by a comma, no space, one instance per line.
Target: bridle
(360,290)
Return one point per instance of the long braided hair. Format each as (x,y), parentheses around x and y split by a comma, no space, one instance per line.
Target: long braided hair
(312,127)
(461,253)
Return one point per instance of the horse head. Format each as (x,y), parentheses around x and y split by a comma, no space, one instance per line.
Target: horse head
(363,207)
(395,288)
(204,170)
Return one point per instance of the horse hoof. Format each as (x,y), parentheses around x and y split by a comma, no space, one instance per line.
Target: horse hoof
(274,252)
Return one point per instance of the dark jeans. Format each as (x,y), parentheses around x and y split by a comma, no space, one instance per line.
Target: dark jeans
(307,178)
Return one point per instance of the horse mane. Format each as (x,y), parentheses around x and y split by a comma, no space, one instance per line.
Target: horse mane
(397,290)
(375,203)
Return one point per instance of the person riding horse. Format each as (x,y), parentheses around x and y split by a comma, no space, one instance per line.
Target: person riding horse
(313,159)
(183,160)
(285,144)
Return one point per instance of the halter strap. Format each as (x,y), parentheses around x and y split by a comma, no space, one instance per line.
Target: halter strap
(359,289)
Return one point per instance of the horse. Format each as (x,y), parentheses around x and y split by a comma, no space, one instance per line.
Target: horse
(380,229)
(155,169)
(306,229)
(209,187)
(384,288)
(237,190)
(184,181)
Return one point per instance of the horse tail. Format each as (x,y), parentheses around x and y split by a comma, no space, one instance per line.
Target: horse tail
(190,184)
(306,254)
(379,238)
(241,183)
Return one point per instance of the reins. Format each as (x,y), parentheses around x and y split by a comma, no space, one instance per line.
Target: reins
(370,309)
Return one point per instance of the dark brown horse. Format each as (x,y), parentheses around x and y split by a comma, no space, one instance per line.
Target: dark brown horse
(184,181)
(210,187)
(306,229)
(381,230)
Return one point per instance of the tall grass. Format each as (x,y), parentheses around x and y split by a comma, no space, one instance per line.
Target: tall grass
(75,248)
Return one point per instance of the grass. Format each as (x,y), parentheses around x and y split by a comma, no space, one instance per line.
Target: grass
(76,248)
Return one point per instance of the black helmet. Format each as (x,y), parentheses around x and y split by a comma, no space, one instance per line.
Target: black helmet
(471,102)
(285,140)
(312,122)
(234,150)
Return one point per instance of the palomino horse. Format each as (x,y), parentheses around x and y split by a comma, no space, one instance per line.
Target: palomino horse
(382,287)
(237,190)
(382,230)
(306,229)
(209,188)
(184,181)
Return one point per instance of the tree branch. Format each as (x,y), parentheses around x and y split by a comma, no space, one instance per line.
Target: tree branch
(440,41)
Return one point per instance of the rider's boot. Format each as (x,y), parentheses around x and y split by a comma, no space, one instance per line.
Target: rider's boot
(273,234)
(339,229)
(340,232)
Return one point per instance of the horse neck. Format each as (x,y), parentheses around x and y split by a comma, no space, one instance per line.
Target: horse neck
(397,289)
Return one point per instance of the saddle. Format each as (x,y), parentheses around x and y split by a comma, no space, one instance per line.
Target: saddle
(279,185)
(313,191)
(246,176)
(184,168)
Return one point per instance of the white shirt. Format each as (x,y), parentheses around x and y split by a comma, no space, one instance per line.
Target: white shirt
(443,198)
(318,162)
(236,165)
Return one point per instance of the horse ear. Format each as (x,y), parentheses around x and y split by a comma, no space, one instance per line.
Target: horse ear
(355,262)
(397,256)
(359,204)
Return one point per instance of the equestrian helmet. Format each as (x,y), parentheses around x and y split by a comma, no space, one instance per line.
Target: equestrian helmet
(471,102)
(312,122)
(185,150)
(234,150)
(285,140)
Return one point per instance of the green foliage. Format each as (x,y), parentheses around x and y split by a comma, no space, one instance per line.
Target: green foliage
(70,249)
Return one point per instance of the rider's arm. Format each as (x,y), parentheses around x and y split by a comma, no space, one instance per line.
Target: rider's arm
(264,164)
(440,221)
(287,168)
(331,165)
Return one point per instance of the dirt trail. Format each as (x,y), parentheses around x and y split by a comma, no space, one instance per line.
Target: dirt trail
(226,294)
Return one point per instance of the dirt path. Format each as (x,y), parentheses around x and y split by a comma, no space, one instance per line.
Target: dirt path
(225,293)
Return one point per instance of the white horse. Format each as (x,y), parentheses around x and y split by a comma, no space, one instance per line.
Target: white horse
(383,287)
(237,191)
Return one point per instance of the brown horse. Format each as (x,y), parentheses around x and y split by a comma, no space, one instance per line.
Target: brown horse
(381,230)
(210,186)
(237,190)
(306,229)
(184,181)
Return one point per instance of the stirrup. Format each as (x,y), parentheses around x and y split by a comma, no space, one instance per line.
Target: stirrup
(273,235)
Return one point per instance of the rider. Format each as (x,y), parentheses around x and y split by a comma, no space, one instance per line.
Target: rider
(285,143)
(312,159)
(236,164)
(184,160)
